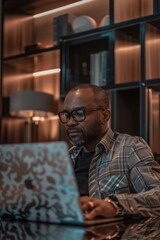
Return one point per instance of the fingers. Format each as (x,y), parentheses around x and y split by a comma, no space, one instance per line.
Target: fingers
(91,204)
(90,207)
(87,204)
(93,213)
(93,207)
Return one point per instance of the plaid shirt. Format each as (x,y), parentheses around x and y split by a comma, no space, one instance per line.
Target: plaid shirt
(123,169)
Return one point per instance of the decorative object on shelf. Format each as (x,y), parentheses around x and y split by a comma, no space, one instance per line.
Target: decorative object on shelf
(99,68)
(62,25)
(33,48)
(105,21)
(34,106)
(83,23)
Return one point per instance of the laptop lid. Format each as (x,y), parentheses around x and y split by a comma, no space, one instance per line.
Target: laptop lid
(37,183)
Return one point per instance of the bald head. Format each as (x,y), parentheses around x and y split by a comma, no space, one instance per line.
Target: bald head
(92,93)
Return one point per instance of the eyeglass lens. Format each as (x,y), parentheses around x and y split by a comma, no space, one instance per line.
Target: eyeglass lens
(78,115)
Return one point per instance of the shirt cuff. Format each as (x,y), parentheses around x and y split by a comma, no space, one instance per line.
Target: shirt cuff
(114,201)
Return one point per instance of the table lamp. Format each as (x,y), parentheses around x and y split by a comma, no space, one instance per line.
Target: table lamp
(34,106)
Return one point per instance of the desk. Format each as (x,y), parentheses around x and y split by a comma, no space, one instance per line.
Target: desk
(137,230)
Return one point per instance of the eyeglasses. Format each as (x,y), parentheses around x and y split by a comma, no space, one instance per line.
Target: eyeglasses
(78,114)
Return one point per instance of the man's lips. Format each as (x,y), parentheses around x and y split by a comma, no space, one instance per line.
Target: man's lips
(74,133)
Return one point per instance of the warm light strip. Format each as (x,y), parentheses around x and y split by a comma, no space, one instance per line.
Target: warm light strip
(62,8)
(153,41)
(129,48)
(42,73)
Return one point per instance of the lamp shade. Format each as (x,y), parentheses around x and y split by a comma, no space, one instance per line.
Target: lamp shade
(31,104)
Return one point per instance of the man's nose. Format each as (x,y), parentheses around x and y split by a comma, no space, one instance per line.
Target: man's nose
(71,121)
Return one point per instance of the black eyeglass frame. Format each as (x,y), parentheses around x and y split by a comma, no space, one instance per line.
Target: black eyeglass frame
(70,114)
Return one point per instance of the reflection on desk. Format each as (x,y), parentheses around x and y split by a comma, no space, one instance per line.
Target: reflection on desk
(38,231)
(135,230)
(127,230)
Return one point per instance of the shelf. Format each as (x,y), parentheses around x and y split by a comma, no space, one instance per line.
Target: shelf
(30,54)
(124,86)
(30,63)
(153,83)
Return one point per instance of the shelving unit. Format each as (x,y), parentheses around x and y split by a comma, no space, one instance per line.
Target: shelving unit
(22,60)
(79,67)
(19,75)
(122,56)
(132,41)
(23,29)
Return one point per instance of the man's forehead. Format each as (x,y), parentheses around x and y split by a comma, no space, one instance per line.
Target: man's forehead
(77,99)
(80,94)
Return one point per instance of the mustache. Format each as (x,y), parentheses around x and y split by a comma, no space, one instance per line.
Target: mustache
(72,129)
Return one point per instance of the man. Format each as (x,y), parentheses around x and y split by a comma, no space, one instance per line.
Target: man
(116,173)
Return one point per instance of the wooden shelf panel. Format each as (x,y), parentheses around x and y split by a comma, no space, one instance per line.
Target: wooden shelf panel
(153,117)
(152,50)
(127,111)
(127,55)
(125,10)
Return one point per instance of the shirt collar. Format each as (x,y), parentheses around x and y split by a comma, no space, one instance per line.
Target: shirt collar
(105,144)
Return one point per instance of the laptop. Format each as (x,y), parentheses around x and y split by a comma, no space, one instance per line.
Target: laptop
(37,183)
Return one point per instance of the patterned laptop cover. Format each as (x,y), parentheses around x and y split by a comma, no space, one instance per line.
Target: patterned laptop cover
(37,183)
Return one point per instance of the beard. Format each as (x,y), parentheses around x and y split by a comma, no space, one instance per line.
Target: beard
(82,136)
(79,141)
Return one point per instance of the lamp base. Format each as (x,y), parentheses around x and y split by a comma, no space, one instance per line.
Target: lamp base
(31,131)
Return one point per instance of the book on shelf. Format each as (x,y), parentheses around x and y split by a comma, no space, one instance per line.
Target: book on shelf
(99,68)
(62,25)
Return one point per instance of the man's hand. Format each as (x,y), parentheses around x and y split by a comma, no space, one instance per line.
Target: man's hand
(93,207)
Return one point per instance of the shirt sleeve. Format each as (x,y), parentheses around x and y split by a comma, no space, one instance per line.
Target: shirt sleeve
(145,180)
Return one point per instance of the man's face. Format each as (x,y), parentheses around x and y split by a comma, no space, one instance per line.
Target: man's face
(88,132)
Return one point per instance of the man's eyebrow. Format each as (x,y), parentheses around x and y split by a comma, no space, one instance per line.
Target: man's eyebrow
(77,108)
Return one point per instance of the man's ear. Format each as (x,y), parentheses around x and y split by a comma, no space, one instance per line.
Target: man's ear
(106,115)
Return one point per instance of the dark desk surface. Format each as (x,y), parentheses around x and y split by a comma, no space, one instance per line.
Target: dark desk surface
(125,230)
